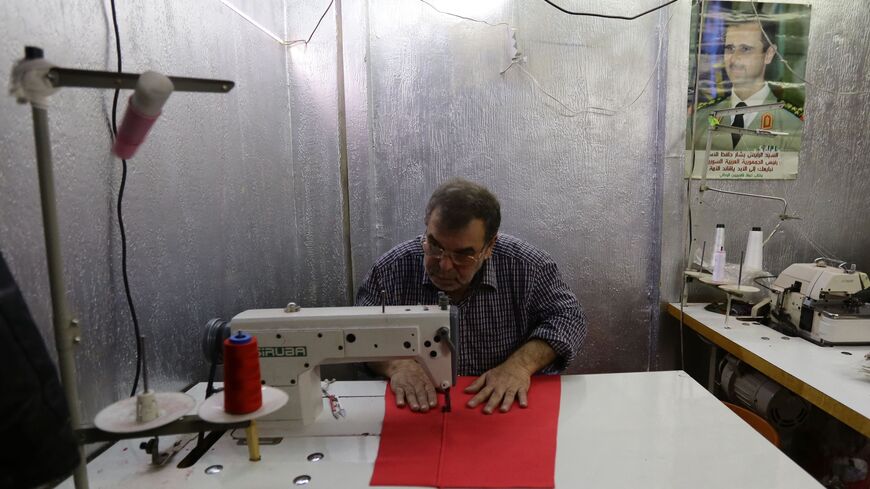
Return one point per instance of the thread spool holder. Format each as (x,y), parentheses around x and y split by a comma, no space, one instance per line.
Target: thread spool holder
(33,81)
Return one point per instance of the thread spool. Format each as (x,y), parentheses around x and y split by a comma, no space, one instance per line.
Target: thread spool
(754,245)
(242,391)
(719,237)
(719,265)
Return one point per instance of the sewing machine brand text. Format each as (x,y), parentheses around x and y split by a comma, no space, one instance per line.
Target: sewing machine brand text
(283,351)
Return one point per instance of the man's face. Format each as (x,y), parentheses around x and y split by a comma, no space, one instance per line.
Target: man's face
(745,56)
(450,273)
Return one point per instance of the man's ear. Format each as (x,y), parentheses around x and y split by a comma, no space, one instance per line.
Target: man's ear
(489,246)
(769,54)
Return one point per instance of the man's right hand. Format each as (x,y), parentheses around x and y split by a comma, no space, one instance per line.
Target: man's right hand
(410,384)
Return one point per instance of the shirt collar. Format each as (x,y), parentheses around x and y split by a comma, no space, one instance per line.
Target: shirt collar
(755,99)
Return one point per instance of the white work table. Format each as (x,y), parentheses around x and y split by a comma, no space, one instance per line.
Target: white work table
(828,377)
(650,430)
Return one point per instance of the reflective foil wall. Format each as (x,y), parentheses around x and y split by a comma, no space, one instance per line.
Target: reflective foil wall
(210,205)
(830,194)
(236,201)
(580,178)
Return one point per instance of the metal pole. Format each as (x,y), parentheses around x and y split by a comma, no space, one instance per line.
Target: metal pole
(65,328)
(144,365)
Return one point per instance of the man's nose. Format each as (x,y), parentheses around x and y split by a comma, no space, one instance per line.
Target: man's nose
(445,262)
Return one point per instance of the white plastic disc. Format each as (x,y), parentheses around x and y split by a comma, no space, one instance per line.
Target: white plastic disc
(708,279)
(739,289)
(212,410)
(120,417)
(697,274)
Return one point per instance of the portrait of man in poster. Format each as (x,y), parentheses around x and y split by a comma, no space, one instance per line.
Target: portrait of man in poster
(741,64)
(746,54)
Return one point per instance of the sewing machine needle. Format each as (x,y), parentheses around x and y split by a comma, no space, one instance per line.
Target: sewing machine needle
(446,408)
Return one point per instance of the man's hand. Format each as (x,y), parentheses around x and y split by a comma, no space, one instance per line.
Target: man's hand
(411,385)
(500,386)
(510,381)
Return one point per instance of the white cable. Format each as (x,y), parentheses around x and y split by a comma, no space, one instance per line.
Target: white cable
(254,22)
(283,42)
(816,247)
(465,18)
(572,112)
(592,109)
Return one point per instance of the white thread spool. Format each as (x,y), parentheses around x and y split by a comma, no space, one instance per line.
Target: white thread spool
(719,265)
(754,244)
(719,238)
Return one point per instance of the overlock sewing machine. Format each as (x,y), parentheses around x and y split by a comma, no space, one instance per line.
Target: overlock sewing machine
(823,303)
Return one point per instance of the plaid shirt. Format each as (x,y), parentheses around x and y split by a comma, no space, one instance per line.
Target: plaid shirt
(517,295)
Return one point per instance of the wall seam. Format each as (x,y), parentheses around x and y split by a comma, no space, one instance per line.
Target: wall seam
(654,273)
(342,154)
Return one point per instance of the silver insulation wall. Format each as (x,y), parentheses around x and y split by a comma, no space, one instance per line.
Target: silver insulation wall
(582,181)
(236,200)
(211,203)
(831,191)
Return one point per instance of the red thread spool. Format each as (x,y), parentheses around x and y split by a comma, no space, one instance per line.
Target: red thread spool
(242,391)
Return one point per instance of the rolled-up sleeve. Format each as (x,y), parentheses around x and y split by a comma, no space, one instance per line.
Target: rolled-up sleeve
(557,316)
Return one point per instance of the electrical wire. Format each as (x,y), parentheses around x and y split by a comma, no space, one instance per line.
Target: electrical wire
(464,17)
(606,16)
(788,66)
(592,109)
(271,34)
(306,41)
(756,280)
(121,213)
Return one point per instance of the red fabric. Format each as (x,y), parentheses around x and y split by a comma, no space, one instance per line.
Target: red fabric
(466,448)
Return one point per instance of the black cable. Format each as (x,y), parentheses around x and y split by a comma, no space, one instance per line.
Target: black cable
(319,21)
(605,16)
(310,36)
(756,280)
(121,214)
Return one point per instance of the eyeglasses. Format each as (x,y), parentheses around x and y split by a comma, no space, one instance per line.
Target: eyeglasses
(459,259)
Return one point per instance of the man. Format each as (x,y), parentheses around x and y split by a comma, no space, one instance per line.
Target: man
(747,51)
(517,316)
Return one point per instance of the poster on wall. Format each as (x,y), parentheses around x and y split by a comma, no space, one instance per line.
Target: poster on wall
(745,54)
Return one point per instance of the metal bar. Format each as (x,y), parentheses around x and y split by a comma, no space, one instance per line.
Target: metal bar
(68,77)
(749,109)
(751,132)
(253,439)
(141,340)
(784,214)
(711,368)
(65,329)
(187,424)
(703,186)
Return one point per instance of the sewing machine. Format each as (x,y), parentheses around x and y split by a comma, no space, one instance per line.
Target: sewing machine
(294,342)
(825,304)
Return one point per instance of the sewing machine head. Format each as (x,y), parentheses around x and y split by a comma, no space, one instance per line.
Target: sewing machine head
(294,342)
(824,303)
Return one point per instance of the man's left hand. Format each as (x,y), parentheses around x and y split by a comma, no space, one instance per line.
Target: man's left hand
(500,386)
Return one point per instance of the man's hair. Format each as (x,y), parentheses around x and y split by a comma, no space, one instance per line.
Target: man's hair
(460,201)
(768,28)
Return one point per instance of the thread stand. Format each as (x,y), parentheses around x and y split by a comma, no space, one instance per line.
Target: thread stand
(253,439)
(212,411)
